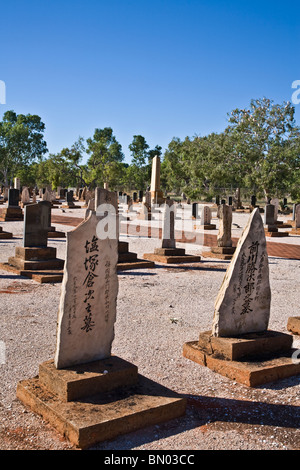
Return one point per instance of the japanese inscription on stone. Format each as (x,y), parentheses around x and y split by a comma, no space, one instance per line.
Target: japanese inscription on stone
(87,310)
(243,303)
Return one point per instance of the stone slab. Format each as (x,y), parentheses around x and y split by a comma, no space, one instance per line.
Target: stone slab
(123,247)
(42,277)
(210,254)
(56,234)
(245,346)
(84,380)
(11,214)
(127,257)
(5,235)
(169,251)
(295,231)
(172,259)
(293,325)
(38,265)
(35,253)
(137,264)
(223,250)
(276,234)
(207,227)
(104,416)
(251,374)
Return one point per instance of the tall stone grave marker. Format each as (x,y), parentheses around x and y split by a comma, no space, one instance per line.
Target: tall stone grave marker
(240,345)
(205,219)
(168,253)
(85,392)
(224,249)
(35,259)
(87,310)
(13,212)
(271,228)
(156,193)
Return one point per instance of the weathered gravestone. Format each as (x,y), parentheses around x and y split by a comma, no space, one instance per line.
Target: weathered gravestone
(145,212)
(106,207)
(85,392)
(156,193)
(240,345)
(35,259)
(87,309)
(25,196)
(271,227)
(13,197)
(13,212)
(195,210)
(224,249)
(168,253)
(205,219)
(296,229)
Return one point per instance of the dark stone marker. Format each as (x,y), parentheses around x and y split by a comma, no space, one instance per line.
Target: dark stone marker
(36,224)
(218,200)
(134,197)
(253,201)
(269,215)
(141,194)
(195,210)
(70,196)
(230,200)
(13,197)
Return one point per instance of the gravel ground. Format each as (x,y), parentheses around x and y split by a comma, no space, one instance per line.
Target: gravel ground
(158,311)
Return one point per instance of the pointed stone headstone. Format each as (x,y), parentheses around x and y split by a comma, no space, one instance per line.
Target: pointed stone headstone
(87,310)
(243,303)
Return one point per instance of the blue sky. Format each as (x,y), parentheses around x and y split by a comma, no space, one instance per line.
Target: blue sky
(161,69)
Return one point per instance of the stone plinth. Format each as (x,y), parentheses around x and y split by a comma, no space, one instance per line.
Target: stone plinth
(171,256)
(220,252)
(53,233)
(5,235)
(293,325)
(129,260)
(11,214)
(91,403)
(251,371)
(37,263)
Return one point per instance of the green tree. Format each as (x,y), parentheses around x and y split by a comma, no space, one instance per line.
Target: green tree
(139,172)
(265,149)
(105,152)
(21,143)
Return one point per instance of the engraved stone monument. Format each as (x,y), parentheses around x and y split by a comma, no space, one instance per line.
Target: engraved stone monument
(168,253)
(85,392)
(239,344)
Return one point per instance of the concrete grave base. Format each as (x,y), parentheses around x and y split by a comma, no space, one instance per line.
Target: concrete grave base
(11,214)
(276,234)
(37,263)
(206,227)
(220,252)
(129,260)
(91,403)
(69,206)
(293,325)
(171,256)
(5,235)
(251,360)
(53,233)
